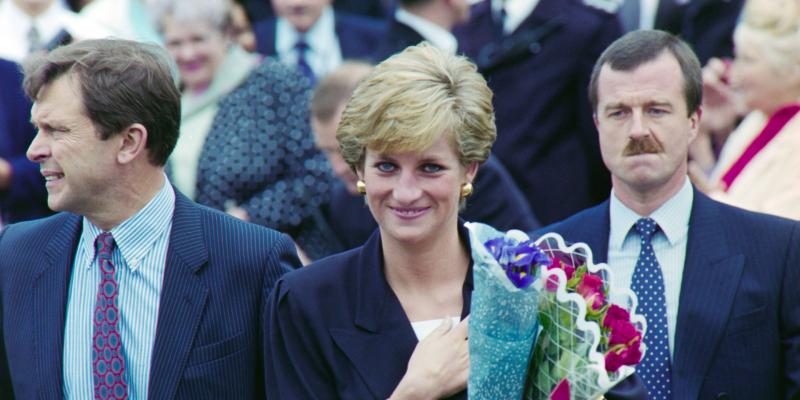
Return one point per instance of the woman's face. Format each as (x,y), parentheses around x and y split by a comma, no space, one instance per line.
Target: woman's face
(198,49)
(413,196)
(764,87)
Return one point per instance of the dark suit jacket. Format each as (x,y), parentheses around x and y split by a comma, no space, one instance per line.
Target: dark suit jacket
(26,198)
(738,330)
(398,37)
(707,25)
(210,334)
(358,35)
(337,331)
(496,201)
(539,75)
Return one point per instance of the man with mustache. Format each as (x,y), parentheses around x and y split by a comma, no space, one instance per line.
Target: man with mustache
(716,283)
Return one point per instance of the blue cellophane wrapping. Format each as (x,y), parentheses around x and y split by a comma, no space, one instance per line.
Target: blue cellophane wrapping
(503,323)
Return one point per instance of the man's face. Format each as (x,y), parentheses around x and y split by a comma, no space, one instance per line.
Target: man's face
(325,138)
(644,126)
(78,167)
(302,14)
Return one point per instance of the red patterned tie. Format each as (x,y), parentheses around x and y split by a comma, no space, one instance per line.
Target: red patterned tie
(108,364)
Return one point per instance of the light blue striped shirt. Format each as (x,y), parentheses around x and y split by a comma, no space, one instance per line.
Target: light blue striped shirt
(139,258)
(669,243)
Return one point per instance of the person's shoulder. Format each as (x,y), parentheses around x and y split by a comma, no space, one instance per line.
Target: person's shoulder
(577,221)
(334,270)
(739,219)
(38,229)
(358,22)
(223,225)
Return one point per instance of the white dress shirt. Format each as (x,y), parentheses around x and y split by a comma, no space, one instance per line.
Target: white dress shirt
(669,244)
(323,54)
(435,34)
(515,12)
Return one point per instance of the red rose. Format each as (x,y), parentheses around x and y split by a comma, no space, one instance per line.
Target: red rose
(623,332)
(615,313)
(591,288)
(561,391)
(552,284)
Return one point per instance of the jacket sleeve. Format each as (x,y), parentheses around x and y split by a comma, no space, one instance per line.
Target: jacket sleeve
(790,317)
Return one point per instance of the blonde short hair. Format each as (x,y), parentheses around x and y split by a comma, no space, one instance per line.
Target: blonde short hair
(772,26)
(413,98)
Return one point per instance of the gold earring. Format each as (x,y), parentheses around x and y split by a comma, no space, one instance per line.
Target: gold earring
(361,187)
(466,190)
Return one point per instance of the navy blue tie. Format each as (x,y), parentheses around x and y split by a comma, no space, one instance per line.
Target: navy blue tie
(302,64)
(648,284)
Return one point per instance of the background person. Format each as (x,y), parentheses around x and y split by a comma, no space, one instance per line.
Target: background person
(245,145)
(758,168)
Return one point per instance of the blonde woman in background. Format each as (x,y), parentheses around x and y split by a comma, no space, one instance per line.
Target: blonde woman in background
(758,167)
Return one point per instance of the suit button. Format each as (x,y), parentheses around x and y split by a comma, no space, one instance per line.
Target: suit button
(723,396)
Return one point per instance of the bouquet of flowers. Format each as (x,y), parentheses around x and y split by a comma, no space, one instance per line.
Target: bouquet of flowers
(587,336)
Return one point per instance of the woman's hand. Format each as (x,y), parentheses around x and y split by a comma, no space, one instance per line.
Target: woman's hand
(722,105)
(439,365)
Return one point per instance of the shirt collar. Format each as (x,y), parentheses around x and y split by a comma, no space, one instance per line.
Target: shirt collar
(672,217)
(438,36)
(317,37)
(516,11)
(136,235)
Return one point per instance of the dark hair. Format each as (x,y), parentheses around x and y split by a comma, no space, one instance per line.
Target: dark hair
(639,47)
(122,82)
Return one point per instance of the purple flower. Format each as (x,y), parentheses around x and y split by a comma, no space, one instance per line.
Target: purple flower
(518,260)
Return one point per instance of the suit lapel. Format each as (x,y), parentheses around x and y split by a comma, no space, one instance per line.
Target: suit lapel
(381,329)
(49,293)
(183,298)
(711,276)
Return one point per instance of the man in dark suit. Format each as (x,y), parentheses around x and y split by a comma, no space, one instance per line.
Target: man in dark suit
(131,290)
(22,193)
(418,20)
(537,62)
(717,284)
(315,37)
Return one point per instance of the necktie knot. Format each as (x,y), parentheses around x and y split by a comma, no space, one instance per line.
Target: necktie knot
(646,228)
(104,245)
(301,46)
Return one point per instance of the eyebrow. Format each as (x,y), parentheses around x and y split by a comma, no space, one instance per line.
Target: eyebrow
(656,103)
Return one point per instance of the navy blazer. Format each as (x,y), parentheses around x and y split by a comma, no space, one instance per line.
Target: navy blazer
(26,198)
(539,75)
(210,334)
(738,330)
(337,331)
(358,35)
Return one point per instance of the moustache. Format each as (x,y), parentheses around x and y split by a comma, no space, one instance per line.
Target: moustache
(643,145)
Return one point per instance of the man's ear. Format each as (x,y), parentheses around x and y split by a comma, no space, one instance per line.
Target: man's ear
(694,123)
(133,144)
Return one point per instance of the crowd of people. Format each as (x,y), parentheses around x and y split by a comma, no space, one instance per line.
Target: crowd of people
(164,163)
